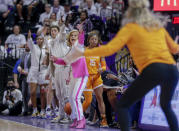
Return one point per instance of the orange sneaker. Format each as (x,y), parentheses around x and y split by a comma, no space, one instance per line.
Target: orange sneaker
(103,122)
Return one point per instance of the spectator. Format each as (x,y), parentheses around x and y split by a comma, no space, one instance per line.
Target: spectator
(57,7)
(98,4)
(76,2)
(117,10)
(53,18)
(7,13)
(84,22)
(82,5)
(45,27)
(12,100)
(67,11)
(105,12)
(15,40)
(91,8)
(68,23)
(118,5)
(23,4)
(23,68)
(46,14)
(2,50)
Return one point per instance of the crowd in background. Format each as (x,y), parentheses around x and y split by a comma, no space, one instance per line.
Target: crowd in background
(29,28)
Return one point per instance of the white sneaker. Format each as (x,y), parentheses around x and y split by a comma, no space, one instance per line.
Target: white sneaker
(5,112)
(56,112)
(42,114)
(48,113)
(56,120)
(35,114)
(64,121)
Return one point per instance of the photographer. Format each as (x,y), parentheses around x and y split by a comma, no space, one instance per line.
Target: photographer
(12,100)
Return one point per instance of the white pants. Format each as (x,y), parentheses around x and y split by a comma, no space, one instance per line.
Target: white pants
(61,87)
(76,90)
(37,77)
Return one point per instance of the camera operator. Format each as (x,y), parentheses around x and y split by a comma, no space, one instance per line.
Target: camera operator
(12,100)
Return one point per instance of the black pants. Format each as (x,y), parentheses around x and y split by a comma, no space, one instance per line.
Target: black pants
(14,111)
(155,74)
(25,94)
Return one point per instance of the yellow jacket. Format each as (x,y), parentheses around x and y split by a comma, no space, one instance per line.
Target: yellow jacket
(145,46)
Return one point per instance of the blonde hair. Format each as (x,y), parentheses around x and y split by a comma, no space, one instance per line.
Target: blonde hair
(138,12)
(68,37)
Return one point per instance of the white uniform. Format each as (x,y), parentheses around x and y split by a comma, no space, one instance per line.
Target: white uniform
(59,48)
(77,86)
(38,67)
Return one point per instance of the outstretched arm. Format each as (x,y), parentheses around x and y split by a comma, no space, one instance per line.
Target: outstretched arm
(122,37)
(58,61)
(30,42)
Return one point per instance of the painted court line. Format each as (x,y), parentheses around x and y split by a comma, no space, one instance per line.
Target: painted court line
(19,123)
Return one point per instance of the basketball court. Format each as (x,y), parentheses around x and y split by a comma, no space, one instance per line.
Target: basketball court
(20,123)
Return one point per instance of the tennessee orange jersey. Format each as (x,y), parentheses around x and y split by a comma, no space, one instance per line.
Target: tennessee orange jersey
(94,63)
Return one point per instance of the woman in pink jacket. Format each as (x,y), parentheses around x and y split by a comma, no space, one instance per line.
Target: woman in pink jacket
(80,77)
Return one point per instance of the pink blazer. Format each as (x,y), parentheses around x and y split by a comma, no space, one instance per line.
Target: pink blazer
(79,67)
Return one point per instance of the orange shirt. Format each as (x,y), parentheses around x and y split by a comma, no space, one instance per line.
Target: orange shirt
(94,63)
(145,46)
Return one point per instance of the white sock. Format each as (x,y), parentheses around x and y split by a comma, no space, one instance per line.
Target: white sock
(48,107)
(35,110)
(56,108)
(43,110)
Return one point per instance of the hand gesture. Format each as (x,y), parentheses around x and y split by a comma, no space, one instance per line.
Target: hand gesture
(29,34)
